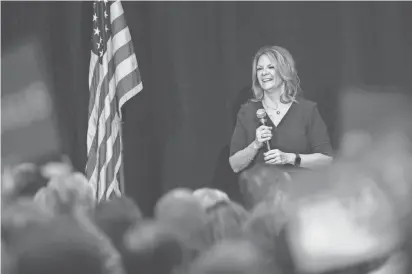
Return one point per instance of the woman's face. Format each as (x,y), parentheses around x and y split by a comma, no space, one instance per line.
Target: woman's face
(266,74)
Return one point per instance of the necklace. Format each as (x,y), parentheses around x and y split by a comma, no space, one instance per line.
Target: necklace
(272,108)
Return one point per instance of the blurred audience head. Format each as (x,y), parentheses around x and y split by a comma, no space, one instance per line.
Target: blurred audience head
(58,247)
(152,246)
(20,216)
(23,180)
(210,196)
(6,260)
(234,257)
(167,204)
(114,217)
(266,228)
(67,195)
(184,214)
(54,169)
(180,207)
(226,220)
(260,181)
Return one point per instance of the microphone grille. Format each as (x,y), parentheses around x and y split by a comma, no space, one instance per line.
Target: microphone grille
(261,113)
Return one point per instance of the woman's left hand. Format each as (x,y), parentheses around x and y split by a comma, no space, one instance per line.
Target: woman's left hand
(277,157)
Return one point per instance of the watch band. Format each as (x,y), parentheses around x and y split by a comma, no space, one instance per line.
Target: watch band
(297,159)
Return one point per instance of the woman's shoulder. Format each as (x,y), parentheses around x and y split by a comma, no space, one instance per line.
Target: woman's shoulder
(249,107)
(306,105)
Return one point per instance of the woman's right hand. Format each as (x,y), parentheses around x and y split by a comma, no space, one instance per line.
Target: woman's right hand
(263,134)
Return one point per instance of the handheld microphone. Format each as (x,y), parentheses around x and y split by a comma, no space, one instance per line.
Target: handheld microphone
(261,115)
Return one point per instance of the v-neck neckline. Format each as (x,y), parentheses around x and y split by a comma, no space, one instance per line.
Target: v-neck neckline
(281,120)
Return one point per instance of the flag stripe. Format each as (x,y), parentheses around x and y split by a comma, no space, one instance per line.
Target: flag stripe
(94,60)
(116,10)
(96,94)
(105,150)
(114,185)
(118,24)
(91,160)
(92,117)
(94,82)
(110,171)
(127,83)
(125,68)
(121,38)
(103,97)
(130,94)
(104,131)
(95,88)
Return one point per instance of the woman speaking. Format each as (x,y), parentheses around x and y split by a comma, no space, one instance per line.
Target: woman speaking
(278,126)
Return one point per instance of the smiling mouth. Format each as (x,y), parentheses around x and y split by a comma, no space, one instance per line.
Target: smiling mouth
(266,80)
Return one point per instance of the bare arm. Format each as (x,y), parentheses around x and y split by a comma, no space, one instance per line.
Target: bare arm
(315,160)
(310,160)
(242,152)
(241,159)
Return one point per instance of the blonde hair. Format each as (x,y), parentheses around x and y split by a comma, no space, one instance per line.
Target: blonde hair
(285,67)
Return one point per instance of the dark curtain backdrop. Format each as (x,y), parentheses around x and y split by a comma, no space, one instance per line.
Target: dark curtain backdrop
(195,61)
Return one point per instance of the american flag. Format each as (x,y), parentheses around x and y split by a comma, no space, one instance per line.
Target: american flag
(114,78)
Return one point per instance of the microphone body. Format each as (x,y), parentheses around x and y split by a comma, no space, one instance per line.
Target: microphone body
(261,115)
